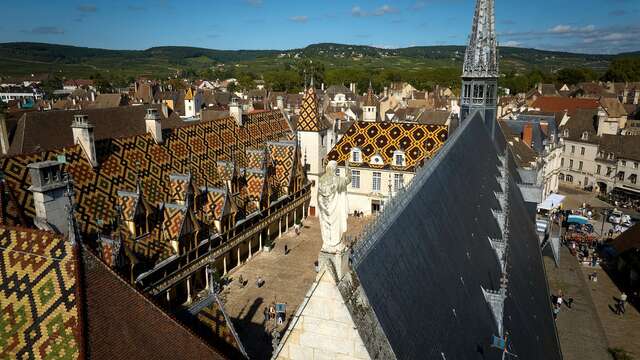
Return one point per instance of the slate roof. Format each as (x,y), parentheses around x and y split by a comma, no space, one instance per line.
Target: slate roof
(48,130)
(628,240)
(433,117)
(428,262)
(419,143)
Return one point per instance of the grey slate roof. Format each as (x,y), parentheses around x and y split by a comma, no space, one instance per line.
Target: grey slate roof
(425,268)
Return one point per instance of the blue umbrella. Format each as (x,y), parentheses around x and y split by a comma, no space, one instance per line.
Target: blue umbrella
(577,219)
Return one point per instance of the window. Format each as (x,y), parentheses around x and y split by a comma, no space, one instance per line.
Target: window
(635,165)
(398,158)
(561,177)
(355,179)
(624,163)
(621,176)
(573,149)
(398,182)
(585,136)
(467,91)
(580,165)
(633,178)
(356,155)
(570,164)
(491,90)
(562,162)
(582,151)
(565,133)
(478,91)
(608,170)
(569,178)
(598,169)
(377,181)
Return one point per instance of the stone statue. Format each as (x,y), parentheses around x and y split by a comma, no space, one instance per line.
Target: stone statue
(333,207)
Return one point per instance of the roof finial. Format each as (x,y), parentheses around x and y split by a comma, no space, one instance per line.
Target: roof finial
(72,231)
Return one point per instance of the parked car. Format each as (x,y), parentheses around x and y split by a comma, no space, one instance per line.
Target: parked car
(615,216)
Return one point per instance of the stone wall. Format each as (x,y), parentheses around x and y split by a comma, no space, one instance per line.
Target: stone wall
(323,327)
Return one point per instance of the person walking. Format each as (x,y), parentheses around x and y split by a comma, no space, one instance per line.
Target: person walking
(286,249)
(621,304)
(266,314)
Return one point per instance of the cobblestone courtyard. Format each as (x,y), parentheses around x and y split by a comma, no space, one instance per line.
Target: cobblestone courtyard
(287,280)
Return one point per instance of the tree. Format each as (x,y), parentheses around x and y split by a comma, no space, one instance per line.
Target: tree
(623,70)
(50,85)
(573,76)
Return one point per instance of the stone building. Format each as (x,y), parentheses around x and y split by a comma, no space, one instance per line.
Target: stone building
(383,159)
(452,267)
(163,206)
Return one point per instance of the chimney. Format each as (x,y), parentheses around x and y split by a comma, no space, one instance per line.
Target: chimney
(540,87)
(165,109)
(4,134)
(83,135)
(386,91)
(49,198)
(235,110)
(152,124)
(280,103)
(352,87)
(527,134)
(93,96)
(322,87)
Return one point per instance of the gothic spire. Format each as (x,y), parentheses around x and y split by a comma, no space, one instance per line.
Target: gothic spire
(481,57)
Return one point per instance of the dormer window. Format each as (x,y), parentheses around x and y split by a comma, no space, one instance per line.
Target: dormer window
(565,133)
(610,157)
(377,160)
(398,158)
(356,155)
(585,135)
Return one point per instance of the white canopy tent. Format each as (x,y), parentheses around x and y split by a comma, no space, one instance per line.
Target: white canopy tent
(552,202)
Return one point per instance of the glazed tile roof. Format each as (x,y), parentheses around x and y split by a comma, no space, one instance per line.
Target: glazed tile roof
(180,186)
(370,100)
(215,202)
(38,296)
(122,161)
(256,158)
(256,183)
(309,119)
(286,158)
(419,143)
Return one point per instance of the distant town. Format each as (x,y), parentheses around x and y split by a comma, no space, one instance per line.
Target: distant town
(486,207)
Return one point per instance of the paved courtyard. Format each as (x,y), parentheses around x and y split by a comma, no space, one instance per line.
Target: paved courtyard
(287,280)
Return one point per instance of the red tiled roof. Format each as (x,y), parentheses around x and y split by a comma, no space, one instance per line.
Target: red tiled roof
(559,104)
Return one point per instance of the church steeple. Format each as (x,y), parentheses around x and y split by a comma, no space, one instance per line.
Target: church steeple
(480,70)
(481,57)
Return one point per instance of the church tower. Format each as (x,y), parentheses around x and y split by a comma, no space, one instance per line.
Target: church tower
(189,104)
(312,134)
(370,106)
(480,70)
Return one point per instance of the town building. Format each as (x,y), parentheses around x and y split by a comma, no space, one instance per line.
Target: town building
(383,158)
(155,207)
(457,247)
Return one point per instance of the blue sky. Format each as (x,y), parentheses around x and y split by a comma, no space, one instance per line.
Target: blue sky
(594,26)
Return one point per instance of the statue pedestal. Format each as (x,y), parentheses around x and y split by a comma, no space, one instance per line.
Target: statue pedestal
(338,262)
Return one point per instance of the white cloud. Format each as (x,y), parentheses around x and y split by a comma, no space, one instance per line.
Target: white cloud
(512,43)
(385,9)
(560,29)
(299,18)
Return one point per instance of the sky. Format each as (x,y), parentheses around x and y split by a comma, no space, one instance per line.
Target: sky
(590,26)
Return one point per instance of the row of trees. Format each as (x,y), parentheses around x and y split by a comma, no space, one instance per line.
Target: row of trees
(294,75)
